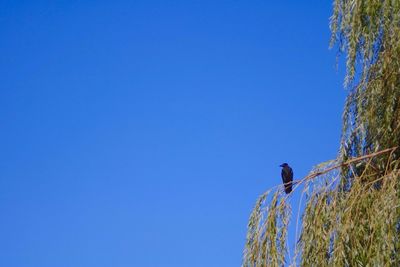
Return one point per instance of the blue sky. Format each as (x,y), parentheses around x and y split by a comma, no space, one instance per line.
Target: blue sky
(140,133)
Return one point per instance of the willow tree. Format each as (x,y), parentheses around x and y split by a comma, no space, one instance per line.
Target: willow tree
(351,215)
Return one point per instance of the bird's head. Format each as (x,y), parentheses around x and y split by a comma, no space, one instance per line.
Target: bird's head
(284,165)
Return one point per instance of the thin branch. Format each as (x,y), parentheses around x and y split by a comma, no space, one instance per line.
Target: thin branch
(348,162)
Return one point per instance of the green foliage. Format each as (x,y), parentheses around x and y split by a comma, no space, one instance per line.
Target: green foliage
(369,32)
(266,237)
(356,227)
(352,212)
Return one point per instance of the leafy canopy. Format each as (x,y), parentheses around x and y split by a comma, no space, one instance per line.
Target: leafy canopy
(351,216)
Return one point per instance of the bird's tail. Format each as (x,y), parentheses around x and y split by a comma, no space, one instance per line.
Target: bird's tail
(288,188)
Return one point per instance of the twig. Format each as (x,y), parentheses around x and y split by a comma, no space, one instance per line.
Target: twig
(348,162)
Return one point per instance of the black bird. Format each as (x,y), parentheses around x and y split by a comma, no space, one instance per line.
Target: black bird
(287,177)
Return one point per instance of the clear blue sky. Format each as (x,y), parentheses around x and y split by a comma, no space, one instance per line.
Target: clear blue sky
(140,133)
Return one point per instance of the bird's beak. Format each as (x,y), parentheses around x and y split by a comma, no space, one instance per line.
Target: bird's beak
(280,165)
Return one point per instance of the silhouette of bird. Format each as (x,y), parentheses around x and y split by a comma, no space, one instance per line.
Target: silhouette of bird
(287,177)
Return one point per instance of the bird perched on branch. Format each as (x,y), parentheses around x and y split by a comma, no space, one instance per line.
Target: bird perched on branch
(287,177)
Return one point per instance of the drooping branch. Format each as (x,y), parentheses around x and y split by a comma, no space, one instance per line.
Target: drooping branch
(346,163)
